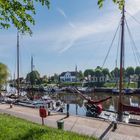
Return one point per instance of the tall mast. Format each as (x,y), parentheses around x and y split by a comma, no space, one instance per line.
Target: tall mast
(32,64)
(18,81)
(76,72)
(120,109)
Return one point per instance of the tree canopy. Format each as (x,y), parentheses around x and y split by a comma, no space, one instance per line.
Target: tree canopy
(119,2)
(137,70)
(129,71)
(33,77)
(88,72)
(3,74)
(19,13)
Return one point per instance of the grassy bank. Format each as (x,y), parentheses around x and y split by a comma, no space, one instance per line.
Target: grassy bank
(12,128)
(113,85)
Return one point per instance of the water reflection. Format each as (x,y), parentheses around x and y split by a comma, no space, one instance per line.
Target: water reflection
(112,104)
(77,103)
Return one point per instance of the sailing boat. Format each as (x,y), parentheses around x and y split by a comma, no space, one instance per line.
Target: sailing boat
(16,83)
(122,114)
(121,106)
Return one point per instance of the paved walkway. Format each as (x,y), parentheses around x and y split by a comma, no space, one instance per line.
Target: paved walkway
(88,126)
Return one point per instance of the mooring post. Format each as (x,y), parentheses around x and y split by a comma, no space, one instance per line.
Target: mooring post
(67,110)
(114,125)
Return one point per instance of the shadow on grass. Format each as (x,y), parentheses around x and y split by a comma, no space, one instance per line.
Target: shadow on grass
(32,134)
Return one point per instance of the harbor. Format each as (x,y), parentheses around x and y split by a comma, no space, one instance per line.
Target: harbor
(75,74)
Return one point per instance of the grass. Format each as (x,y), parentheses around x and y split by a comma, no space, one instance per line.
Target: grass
(12,128)
(113,85)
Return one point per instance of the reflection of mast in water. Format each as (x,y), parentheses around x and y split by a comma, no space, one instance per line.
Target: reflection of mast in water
(76,109)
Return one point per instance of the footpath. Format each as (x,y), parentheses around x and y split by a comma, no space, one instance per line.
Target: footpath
(82,125)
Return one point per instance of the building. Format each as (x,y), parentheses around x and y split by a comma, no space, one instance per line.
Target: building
(68,76)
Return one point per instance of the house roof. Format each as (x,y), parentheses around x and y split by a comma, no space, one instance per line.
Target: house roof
(73,73)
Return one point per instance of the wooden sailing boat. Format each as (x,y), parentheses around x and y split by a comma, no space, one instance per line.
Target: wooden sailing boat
(16,82)
(122,107)
(95,108)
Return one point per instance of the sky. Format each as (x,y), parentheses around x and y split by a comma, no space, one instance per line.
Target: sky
(71,33)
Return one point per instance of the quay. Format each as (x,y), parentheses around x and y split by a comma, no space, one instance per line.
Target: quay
(83,125)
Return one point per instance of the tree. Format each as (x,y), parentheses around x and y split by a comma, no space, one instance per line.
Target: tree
(33,77)
(105,71)
(88,72)
(80,75)
(3,74)
(98,72)
(129,71)
(115,73)
(119,2)
(45,79)
(19,13)
(56,78)
(137,70)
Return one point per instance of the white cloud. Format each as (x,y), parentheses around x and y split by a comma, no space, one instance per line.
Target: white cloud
(63,38)
(62,12)
(102,25)
(133,6)
(66,17)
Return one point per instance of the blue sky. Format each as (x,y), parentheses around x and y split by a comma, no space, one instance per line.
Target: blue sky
(70,33)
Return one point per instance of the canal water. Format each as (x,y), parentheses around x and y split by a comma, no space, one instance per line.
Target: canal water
(76,102)
(77,107)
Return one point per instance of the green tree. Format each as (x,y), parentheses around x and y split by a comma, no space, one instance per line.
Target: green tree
(98,72)
(105,71)
(137,70)
(88,72)
(56,78)
(115,74)
(33,77)
(128,72)
(45,79)
(19,13)
(3,74)
(119,2)
(80,75)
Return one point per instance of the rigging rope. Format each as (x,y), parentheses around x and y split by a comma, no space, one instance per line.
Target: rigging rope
(119,38)
(110,46)
(134,45)
(133,17)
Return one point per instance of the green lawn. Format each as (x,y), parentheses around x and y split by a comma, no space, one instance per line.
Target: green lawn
(12,128)
(113,85)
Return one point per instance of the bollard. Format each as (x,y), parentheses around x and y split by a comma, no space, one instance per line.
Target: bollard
(49,112)
(68,110)
(11,105)
(60,124)
(114,125)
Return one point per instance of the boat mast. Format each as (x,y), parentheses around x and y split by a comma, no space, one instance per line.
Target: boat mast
(32,64)
(120,107)
(18,80)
